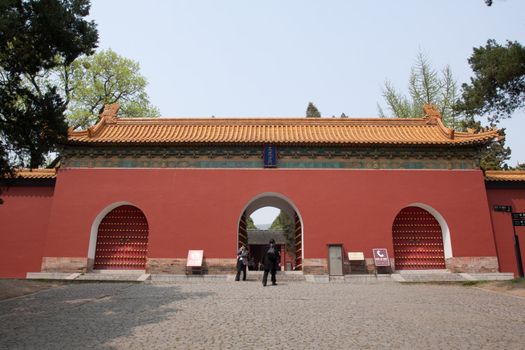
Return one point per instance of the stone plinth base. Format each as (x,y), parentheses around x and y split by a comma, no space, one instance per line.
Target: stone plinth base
(63,264)
(315,266)
(177,266)
(474,264)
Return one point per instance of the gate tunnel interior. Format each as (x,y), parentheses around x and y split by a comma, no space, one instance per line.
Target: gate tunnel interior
(282,203)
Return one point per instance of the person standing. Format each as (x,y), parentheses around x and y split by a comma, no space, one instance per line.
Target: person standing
(242,261)
(270,262)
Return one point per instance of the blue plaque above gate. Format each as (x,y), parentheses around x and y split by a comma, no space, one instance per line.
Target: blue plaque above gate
(270,156)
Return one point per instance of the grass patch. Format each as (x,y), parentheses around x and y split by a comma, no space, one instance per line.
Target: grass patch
(473,283)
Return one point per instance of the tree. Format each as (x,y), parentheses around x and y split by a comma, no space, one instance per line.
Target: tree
(312,111)
(498,86)
(495,154)
(250,225)
(426,86)
(91,82)
(37,35)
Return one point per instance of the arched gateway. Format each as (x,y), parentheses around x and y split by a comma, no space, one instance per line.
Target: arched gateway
(340,170)
(122,240)
(281,202)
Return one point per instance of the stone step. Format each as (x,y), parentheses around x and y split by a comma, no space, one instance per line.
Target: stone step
(280,276)
(449,277)
(126,277)
(434,277)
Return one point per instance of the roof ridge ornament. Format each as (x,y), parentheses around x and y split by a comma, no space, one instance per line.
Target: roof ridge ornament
(109,113)
(108,116)
(432,113)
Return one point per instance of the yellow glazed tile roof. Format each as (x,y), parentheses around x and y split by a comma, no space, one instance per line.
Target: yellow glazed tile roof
(428,130)
(36,173)
(509,175)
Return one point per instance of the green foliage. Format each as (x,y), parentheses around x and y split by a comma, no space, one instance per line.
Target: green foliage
(498,86)
(494,154)
(35,37)
(104,78)
(285,223)
(312,111)
(426,86)
(250,225)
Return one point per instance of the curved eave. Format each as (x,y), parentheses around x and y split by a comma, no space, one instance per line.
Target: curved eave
(35,174)
(282,131)
(505,176)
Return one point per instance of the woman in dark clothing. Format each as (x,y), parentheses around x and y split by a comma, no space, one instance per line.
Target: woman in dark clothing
(271,262)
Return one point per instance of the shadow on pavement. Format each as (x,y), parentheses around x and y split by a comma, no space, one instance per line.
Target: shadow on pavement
(86,315)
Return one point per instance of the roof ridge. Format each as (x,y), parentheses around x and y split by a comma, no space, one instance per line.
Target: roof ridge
(426,130)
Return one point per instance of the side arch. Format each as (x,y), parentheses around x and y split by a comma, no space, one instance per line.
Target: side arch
(119,238)
(421,238)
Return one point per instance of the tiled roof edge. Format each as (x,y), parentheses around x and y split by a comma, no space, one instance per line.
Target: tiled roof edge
(504,175)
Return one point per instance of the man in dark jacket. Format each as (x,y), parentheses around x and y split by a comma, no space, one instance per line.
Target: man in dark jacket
(271,262)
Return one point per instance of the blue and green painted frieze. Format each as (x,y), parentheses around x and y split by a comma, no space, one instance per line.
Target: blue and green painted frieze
(299,157)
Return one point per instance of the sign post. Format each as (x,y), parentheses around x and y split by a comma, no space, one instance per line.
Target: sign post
(518,219)
(380,258)
(194,261)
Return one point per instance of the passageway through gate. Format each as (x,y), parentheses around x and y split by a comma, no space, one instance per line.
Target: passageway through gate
(290,240)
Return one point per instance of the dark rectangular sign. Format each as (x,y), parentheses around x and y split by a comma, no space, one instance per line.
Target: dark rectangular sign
(270,156)
(505,208)
(518,216)
(381,257)
(518,222)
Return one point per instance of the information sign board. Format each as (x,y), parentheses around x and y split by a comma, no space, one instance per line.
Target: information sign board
(356,256)
(381,257)
(194,258)
(505,208)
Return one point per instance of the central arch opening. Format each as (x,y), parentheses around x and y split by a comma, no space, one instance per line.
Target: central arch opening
(285,228)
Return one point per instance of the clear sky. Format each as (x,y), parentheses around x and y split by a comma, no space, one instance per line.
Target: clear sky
(238,58)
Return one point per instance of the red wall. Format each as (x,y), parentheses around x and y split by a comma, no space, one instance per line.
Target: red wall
(23,224)
(502,223)
(200,209)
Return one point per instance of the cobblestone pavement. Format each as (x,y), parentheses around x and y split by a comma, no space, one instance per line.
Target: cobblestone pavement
(244,315)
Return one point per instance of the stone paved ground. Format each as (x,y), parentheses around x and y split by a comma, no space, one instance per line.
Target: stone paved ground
(244,315)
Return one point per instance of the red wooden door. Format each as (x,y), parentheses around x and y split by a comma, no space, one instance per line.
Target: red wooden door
(122,240)
(298,243)
(418,241)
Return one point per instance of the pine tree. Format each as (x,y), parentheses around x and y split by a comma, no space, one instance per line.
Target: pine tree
(312,111)
(36,36)
(426,86)
(498,86)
